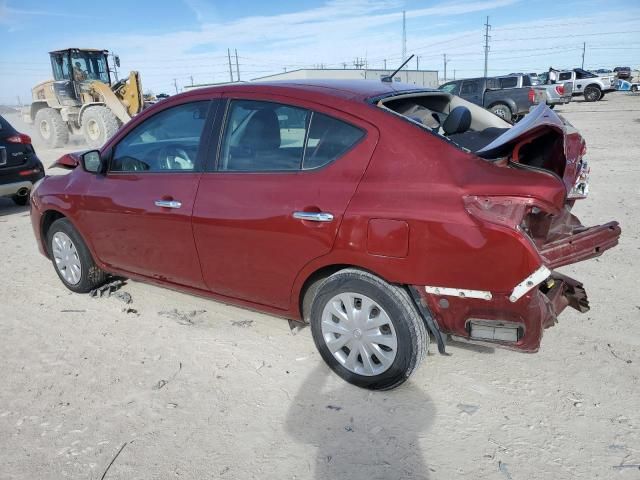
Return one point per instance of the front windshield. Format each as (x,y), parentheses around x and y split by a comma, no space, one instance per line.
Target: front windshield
(89,66)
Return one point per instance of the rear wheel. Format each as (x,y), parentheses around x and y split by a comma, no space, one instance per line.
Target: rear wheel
(592,94)
(71,258)
(51,128)
(20,199)
(634,88)
(502,110)
(99,124)
(367,330)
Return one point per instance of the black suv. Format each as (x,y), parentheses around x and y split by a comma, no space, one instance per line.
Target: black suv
(20,168)
(623,72)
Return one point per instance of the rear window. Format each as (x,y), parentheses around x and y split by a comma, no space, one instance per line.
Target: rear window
(508,82)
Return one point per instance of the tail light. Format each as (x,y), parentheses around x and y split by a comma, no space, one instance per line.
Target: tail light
(19,138)
(532,95)
(508,211)
(560,89)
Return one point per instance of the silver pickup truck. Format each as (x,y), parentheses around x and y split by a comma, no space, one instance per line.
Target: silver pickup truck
(592,86)
(555,94)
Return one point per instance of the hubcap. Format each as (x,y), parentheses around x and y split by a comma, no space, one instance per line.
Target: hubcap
(93,130)
(66,257)
(359,334)
(44,129)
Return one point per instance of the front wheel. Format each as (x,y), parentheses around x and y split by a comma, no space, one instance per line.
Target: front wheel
(99,124)
(71,258)
(634,88)
(592,94)
(367,330)
(502,110)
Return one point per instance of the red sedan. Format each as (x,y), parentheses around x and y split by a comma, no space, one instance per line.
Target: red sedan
(377,213)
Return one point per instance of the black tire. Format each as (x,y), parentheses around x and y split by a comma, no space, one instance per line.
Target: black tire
(409,327)
(592,93)
(52,130)
(502,110)
(99,124)
(91,276)
(634,88)
(552,106)
(21,200)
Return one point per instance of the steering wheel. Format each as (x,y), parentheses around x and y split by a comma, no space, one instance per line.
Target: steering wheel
(172,157)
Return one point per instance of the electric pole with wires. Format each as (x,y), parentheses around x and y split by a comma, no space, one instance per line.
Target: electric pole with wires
(486,46)
(444,56)
(584,49)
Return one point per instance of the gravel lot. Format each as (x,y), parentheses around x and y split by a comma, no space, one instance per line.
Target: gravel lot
(197,389)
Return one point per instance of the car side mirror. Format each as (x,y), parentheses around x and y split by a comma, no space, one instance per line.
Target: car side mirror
(92,162)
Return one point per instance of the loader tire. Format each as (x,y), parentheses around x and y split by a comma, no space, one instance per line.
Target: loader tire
(99,124)
(52,130)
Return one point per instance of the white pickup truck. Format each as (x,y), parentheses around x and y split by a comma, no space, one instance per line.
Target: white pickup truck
(592,86)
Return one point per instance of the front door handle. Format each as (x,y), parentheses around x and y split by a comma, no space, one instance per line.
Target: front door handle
(168,203)
(313,216)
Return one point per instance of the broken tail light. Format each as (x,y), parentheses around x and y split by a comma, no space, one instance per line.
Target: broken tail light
(560,89)
(508,211)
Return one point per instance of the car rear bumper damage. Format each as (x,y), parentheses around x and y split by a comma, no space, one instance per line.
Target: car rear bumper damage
(516,319)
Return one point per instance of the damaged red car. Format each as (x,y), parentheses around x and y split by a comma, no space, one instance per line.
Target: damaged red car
(380,214)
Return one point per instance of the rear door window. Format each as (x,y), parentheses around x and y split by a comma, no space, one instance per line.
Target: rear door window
(266,136)
(469,87)
(167,141)
(328,139)
(508,82)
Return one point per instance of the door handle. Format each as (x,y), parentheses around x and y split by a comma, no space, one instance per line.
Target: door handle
(313,216)
(168,203)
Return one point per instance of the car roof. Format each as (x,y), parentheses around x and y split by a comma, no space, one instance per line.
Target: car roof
(345,89)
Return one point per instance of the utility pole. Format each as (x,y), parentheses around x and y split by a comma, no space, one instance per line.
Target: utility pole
(417,62)
(191,77)
(385,63)
(454,74)
(175,84)
(237,65)
(404,35)
(486,46)
(230,70)
(344,65)
(444,55)
(584,49)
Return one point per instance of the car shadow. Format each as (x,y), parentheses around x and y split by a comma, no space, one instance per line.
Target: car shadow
(7,207)
(361,434)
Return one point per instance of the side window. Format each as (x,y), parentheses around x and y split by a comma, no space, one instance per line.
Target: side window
(263,136)
(328,139)
(449,87)
(167,141)
(508,82)
(565,76)
(469,87)
(526,81)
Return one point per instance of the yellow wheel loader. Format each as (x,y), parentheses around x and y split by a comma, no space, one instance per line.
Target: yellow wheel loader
(82,99)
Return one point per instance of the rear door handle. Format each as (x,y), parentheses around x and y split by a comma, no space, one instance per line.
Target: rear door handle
(168,203)
(313,216)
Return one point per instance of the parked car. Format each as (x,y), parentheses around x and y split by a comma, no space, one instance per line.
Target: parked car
(591,86)
(625,86)
(375,212)
(499,95)
(623,72)
(553,94)
(603,71)
(20,168)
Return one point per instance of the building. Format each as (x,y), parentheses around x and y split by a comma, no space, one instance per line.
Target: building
(422,78)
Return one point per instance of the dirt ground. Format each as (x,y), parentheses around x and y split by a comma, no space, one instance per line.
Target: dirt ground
(197,389)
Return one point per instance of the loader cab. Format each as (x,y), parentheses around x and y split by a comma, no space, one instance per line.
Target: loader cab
(76,65)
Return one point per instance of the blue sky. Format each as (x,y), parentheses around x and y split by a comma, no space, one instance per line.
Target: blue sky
(180,39)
